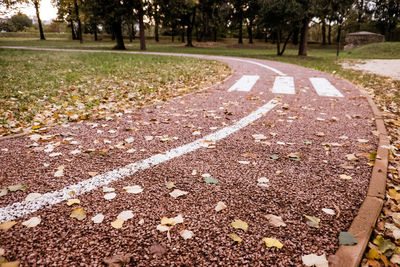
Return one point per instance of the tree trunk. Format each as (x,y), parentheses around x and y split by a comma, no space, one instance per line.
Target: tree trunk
(250,32)
(95,31)
(278,42)
(189,29)
(240,41)
(286,41)
(112,34)
(172,33)
(329,32)
(72,29)
(36,3)
(156,23)
(339,35)
(130,29)
(295,39)
(304,37)
(141,29)
(215,34)
(323,29)
(183,34)
(79,21)
(117,30)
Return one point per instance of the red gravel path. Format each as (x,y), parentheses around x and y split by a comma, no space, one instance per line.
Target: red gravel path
(303,188)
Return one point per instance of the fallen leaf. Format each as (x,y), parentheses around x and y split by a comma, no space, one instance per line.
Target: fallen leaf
(235,238)
(274,157)
(125,215)
(362,140)
(383,244)
(259,137)
(178,219)
(17,187)
(3,192)
(91,174)
(220,206)
(7,225)
(129,140)
(239,224)
(118,260)
(373,254)
(320,134)
(157,250)
(272,242)
(346,239)
(73,201)
(108,189)
(136,189)
(177,193)
(244,162)
(78,214)
(351,157)
(110,196)
(32,197)
(210,180)
(295,156)
(162,228)
(141,222)
(186,234)
(169,185)
(275,221)
(117,224)
(2,252)
(329,211)
(10,264)
(98,218)
(315,260)
(249,155)
(395,259)
(32,222)
(312,221)
(345,177)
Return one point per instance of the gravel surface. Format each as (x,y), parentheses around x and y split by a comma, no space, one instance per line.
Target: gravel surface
(295,188)
(384,67)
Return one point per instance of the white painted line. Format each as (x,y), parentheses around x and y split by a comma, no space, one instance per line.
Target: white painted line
(325,88)
(245,83)
(20,209)
(255,63)
(283,85)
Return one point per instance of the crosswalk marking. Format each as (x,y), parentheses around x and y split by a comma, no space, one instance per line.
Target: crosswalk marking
(324,87)
(283,85)
(245,83)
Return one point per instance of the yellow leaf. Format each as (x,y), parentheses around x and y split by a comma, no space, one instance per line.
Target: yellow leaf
(169,184)
(7,225)
(117,224)
(73,201)
(92,174)
(239,224)
(167,221)
(235,238)
(10,264)
(393,194)
(373,254)
(35,127)
(78,214)
(272,242)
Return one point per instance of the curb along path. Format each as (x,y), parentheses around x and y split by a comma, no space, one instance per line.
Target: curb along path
(274,139)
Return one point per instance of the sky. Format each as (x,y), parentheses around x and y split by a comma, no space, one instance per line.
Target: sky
(47,10)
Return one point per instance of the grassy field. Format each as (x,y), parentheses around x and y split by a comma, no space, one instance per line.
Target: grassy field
(40,88)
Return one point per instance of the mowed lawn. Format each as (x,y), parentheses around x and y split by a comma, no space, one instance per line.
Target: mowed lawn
(39,88)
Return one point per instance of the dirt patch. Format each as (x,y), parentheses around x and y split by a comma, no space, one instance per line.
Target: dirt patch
(384,67)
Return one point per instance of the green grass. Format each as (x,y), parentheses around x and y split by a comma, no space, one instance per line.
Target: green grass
(47,87)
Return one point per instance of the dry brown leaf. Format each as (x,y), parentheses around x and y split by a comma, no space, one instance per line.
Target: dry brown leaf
(7,225)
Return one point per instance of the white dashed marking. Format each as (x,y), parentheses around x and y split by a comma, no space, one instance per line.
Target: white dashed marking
(284,85)
(245,83)
(20,209)
(324,87)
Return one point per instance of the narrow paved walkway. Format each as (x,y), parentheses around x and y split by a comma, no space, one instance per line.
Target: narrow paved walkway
(384,67)
(274,139)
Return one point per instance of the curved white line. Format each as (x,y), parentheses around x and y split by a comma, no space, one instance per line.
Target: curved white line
(20,209)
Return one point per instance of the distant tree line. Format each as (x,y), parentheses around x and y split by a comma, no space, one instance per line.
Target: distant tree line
(280,21)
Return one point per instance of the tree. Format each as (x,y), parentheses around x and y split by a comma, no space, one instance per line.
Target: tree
(387,14)
(20,21)
(36,3)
